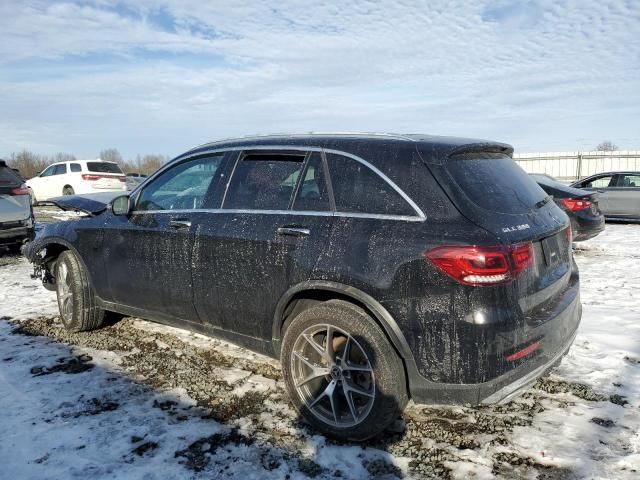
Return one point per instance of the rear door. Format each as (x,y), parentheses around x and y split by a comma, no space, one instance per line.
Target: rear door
(148,254)
(624,198)
(274,221)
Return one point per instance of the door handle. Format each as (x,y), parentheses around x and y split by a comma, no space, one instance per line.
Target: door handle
(294,231)
(180,224)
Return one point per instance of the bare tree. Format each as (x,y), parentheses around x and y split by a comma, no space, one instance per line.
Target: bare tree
(28,163)
(606,146)
(150,163)
(112,155)
(63,157)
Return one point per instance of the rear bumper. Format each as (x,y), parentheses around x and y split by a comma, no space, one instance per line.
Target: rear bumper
(14,235)
(504,387)
(586,227)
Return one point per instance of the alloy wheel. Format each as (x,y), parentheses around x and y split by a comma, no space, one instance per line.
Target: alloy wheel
(65,294)
(333,375)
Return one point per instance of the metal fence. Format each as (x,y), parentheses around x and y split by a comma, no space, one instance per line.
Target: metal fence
(570,166)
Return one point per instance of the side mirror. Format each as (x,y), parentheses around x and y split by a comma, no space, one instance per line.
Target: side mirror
(121,205)
(37,174)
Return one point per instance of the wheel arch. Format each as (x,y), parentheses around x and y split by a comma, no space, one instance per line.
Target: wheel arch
(54,247)
(318,291)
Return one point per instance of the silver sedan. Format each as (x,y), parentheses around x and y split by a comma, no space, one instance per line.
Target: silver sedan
(619,193)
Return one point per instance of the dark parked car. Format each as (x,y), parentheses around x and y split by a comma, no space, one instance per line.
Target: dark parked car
(16,216)
(581,206)
(378,268)
(619,193)
(134,179)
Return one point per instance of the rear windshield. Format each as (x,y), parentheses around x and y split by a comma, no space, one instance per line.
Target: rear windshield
(9,178)
(103,167)
(494,182)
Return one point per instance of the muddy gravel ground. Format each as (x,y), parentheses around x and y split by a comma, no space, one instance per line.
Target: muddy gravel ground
(223,385)
(244,393)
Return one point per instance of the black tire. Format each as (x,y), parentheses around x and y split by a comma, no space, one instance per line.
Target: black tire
(68,190)
(79,311)
(389,382)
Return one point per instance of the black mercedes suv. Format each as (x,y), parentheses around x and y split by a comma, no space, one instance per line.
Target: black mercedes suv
(377,267)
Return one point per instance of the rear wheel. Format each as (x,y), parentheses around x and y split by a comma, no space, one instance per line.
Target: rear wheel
(68,190)
(76,300)
(343,375)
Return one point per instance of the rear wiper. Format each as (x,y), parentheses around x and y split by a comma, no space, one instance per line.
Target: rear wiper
(544,201)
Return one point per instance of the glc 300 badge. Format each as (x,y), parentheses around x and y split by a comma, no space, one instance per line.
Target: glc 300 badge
(516,228)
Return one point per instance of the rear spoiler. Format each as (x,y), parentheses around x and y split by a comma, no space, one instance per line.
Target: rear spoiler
(482,147)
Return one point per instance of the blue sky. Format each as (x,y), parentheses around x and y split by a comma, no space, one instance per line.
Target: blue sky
(161,76)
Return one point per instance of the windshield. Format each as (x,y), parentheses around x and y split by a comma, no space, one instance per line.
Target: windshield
(103,167)
(494,182)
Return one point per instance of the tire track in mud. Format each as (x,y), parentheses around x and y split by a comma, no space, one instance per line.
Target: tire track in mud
(248,392)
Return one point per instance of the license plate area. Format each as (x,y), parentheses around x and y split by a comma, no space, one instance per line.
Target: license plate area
(551,250)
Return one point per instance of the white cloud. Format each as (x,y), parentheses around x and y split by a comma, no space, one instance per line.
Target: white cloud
(161,76)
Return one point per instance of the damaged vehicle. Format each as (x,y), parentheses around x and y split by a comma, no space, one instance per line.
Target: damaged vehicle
(16,215)
(378,268)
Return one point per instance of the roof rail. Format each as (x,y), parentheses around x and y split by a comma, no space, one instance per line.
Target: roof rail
(306,134)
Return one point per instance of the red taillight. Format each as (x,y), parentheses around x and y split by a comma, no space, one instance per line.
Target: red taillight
(122,179)
(91,178)
(21,190)
(524,352)
(477,265)
(575,205)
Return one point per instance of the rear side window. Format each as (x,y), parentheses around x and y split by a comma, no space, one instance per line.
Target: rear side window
(629,181)
(312,192)
(75,167)
(263,181)
(358,189)
(103,167)
(495,183)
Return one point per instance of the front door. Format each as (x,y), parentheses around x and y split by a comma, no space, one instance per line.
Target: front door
(149,252)
(274,223)
(604,184)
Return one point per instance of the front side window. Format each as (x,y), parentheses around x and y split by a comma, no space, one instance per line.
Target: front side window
(263,181)
(61,169)
(48,171)
(182,187)
(358,189)
(75,167)
(601,182)
(629,181)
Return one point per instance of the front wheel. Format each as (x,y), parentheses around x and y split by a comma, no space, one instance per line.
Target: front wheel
(342,374)
(76,300)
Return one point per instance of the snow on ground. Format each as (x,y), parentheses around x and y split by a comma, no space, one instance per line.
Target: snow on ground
(141,400)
